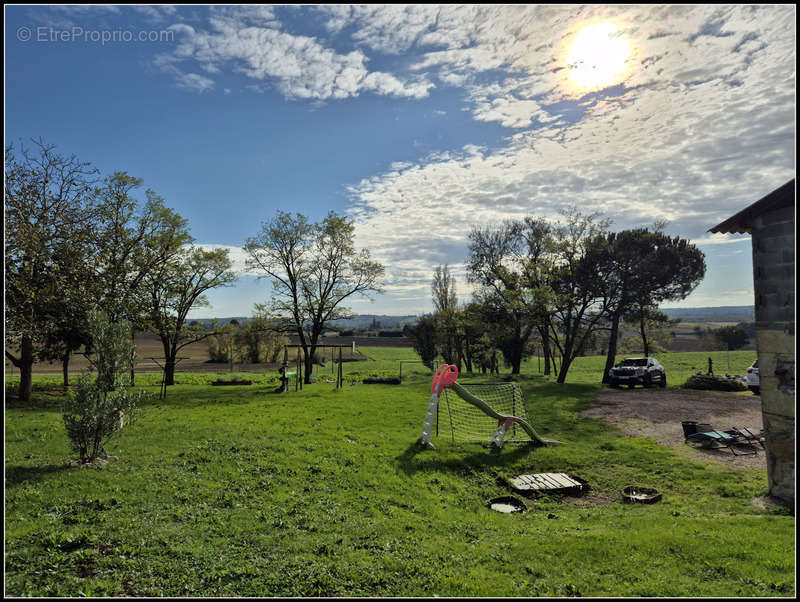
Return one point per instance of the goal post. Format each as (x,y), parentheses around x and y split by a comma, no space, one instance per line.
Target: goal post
(477,412)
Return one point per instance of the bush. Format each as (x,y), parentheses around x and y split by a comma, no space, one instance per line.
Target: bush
(95,410)
(92,415)
(710,382)
(381,381)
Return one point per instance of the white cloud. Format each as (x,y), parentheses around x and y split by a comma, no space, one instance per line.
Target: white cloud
(720,239)
(237,255)
(195,82)
(706,128)
(300,67)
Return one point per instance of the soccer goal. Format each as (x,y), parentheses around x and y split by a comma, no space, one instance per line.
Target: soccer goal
(485,413)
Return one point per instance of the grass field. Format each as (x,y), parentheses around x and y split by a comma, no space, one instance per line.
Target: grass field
(238,491)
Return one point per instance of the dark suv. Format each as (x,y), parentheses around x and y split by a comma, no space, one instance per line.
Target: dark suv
(632,371)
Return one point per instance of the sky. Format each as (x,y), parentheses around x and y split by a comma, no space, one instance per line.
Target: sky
(420,122)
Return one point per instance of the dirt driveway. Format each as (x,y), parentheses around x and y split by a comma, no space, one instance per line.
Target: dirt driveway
(658,414)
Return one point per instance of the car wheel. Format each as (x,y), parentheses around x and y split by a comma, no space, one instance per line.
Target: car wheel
(756,390)
(663,382)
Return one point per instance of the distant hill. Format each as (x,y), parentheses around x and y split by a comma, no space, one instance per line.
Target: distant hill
(359,321)
(732,313)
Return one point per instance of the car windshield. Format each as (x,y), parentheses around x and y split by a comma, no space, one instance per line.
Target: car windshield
(634,362)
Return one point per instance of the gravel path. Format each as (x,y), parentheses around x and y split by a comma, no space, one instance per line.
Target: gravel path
(658,414)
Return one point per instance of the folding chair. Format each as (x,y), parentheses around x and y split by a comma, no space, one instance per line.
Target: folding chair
(746,435)
(713,439)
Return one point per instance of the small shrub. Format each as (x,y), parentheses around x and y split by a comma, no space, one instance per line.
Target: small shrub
(92,416)
(381,381)
(711,382)
(96,409)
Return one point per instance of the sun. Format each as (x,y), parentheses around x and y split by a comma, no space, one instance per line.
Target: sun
(598,57)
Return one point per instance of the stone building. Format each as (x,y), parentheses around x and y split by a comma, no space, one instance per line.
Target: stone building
(770,222)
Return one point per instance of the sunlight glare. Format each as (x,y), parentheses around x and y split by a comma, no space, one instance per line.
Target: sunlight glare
(598,57)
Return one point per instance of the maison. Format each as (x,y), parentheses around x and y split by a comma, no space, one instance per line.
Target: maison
(770,222)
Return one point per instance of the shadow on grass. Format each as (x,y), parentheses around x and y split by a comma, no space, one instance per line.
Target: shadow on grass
(20,474)
(416,458)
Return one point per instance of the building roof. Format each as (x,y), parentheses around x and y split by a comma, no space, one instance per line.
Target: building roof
(741,222)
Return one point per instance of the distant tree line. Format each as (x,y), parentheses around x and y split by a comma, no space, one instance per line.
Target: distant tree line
(252,343)
(556,288)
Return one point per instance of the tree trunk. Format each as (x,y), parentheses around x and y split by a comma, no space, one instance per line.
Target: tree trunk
(25,365)
(65,366)
(169,371)
(543,332)
(612,346)
(643,332)
(133,377)
(169,362)
(308,362)
(467,354)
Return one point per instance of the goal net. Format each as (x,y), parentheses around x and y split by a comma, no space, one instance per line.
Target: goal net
(463,422)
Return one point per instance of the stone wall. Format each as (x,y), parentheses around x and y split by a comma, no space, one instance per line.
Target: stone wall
(773,275)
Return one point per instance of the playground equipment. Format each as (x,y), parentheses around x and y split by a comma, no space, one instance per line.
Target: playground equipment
(469,416)
(298,373)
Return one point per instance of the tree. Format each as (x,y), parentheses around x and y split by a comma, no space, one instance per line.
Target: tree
(48,201)
(733,336)
(96,410)
(176,288)
(133,242)
(647,268)
(449,343)
(578,281)
(314,269)
(506,263)
(423,339)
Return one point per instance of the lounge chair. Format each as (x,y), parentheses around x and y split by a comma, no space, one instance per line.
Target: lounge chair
(710,438)
(746,435)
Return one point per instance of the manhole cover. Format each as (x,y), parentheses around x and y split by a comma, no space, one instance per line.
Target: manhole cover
(507,504)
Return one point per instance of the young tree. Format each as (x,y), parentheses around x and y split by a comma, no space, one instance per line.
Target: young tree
(176,288)
(314,269)
(47,217)
(96,410)
(446,315)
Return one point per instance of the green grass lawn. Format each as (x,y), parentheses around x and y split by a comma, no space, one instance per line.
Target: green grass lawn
(238,491)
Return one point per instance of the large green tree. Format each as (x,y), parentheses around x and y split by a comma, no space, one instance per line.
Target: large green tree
(503,262)
(48,218)
(178,286)
(134,241)
(577,280)
(646,268)
(314,269)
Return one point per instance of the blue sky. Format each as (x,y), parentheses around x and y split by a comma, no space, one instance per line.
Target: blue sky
(420,121)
